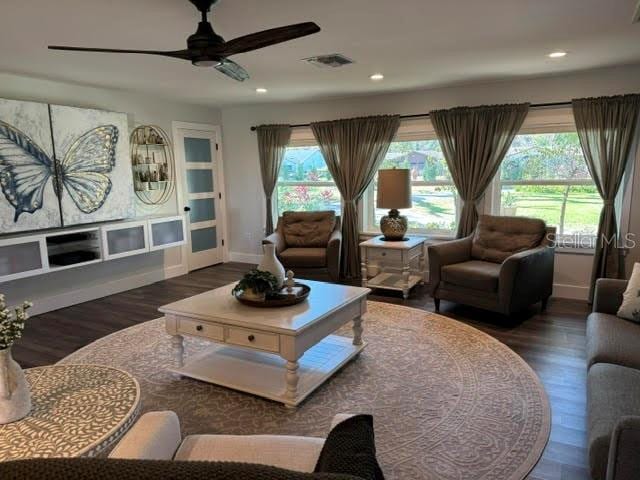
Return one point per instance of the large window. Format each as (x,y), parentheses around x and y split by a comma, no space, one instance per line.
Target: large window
(544,175)
(434,196)
(304,183)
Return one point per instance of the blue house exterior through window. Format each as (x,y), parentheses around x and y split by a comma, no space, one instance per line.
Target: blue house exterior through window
(304,182)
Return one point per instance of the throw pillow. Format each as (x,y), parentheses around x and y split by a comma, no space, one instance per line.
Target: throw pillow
(350,449)
(630,308)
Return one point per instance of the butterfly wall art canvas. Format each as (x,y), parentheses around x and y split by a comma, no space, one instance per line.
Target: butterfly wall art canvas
(62,166)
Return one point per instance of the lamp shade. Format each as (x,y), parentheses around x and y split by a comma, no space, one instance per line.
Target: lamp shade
(394,188)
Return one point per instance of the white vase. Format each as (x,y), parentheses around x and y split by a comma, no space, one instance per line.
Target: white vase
(271,264)
(15,398)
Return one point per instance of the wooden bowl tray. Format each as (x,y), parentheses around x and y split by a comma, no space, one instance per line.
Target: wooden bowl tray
(278,299)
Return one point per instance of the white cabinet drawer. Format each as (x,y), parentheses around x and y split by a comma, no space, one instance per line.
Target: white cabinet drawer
(250,338)
(380,255)
(201,329)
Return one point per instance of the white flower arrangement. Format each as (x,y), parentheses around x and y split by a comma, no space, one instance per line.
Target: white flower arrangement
(12,323)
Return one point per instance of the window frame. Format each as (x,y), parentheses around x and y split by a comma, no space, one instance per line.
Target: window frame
(300,137)
(411,130)
(541,121)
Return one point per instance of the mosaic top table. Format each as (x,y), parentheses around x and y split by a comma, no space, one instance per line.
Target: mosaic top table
(77,411)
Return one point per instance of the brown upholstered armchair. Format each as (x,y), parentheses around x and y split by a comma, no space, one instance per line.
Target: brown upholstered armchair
(308,239)
(504,266)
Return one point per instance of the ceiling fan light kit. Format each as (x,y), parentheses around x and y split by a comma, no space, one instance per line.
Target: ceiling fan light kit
(205,48)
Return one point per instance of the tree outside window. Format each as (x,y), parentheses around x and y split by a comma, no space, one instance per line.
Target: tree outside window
(545,176)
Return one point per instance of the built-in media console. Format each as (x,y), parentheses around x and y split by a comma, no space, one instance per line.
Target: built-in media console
(26,256)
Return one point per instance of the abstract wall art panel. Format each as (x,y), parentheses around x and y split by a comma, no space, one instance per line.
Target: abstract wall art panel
(28,200)
(92,147)
(62,166)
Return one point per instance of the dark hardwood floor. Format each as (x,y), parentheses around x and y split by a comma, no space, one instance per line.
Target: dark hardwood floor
(553,344)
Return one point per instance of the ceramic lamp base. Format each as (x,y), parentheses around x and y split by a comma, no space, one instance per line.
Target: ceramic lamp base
(394,226)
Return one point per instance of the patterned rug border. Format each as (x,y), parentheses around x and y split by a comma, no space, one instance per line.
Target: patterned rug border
(523,469)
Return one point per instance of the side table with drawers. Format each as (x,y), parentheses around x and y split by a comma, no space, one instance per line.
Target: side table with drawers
(392,265)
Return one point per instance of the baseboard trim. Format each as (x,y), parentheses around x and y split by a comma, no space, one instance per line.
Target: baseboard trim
(573,292)
(253,258)
(81,295)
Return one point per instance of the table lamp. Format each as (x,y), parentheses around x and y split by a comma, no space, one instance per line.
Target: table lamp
(394,192)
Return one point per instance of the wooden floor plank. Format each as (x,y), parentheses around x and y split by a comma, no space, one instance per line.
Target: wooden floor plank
(553,343)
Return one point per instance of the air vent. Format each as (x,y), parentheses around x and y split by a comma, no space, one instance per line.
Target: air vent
(333,60)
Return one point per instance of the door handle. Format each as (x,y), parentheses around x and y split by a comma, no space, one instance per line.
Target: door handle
(187,209)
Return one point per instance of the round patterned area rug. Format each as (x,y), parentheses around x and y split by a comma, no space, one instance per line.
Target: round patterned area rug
(449,401)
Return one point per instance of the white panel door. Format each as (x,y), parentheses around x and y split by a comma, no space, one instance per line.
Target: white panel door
(197,150)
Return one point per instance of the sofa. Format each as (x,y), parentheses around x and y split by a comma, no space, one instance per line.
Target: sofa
(156,436)
(504,266)
(613,387)
(154,448)
(308,240)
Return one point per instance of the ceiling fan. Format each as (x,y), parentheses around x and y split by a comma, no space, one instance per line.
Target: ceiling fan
(205,48)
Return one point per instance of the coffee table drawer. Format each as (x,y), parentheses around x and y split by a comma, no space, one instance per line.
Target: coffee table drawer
(201,329)
(251,338)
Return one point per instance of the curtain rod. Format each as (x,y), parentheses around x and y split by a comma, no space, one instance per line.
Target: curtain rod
(426,115)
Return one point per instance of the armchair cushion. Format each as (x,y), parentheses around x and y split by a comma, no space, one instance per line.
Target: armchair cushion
(304,257)
(474,274)
(293,453)
(497,238)
(308,229)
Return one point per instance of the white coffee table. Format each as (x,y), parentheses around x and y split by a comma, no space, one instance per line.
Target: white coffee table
(282,354)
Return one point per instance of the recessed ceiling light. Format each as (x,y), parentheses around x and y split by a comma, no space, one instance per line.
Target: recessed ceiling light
(376,77)
(557,54)
(261,90)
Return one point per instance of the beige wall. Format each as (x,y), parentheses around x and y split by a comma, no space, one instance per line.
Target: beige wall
(110,276)
(244,190)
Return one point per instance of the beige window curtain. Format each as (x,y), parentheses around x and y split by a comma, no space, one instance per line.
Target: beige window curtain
(272,143)
(354,149)
(474,141)
(606,128)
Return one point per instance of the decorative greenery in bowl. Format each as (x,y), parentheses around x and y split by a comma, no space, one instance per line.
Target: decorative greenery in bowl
(256,284)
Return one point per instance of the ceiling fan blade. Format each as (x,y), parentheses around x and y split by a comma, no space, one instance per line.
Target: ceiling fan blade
(182,54)
(233,70)
(269,37)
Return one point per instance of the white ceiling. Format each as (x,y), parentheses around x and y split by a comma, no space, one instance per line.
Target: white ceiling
(415,43)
